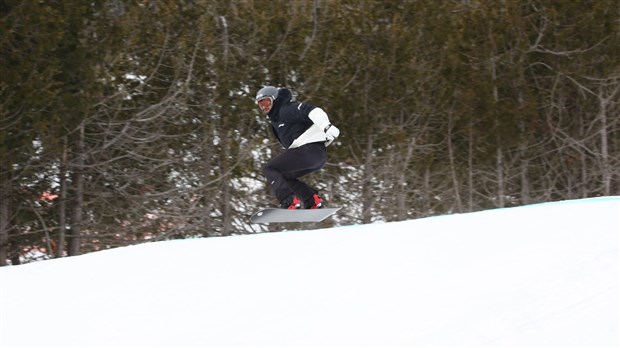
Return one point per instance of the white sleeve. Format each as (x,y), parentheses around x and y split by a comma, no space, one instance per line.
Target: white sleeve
(319,117)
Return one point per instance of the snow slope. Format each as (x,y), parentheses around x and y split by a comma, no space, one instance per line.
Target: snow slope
(541,275)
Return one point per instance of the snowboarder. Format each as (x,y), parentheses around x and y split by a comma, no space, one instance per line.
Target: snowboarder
(304,131)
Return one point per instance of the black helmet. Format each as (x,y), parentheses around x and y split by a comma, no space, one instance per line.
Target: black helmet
(267,92)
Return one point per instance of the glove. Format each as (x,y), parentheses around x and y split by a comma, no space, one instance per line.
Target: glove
(331,132)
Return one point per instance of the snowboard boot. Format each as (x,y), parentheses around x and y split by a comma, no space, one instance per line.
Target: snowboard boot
(290,202)
(314,202)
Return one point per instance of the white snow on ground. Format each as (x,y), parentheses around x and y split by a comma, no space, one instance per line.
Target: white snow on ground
(541,275)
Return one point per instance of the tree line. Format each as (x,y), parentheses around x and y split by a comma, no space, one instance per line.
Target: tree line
(131,121)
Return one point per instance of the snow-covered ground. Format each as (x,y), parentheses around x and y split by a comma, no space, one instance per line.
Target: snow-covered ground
(541,275)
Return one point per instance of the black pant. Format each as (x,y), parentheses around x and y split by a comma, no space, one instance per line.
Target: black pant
(283,171)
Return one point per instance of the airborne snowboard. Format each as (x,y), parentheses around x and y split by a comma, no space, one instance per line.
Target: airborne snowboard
(270,215)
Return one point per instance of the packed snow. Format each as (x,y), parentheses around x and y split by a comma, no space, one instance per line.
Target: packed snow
(541,275)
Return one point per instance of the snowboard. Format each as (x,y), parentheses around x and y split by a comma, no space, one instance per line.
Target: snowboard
(270,215)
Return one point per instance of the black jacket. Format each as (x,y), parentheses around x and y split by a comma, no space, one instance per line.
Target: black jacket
(289,119)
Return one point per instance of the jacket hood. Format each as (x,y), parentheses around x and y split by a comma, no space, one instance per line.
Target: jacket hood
(284,97)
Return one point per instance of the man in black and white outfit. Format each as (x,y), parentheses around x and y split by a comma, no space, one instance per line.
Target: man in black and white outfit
(305,131)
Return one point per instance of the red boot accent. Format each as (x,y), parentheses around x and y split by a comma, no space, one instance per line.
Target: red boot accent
(295,205)
(318,202)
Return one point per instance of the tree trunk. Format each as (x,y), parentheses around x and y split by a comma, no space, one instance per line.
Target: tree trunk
(605,166)
(367,191)
(78,179)
(5,194)
(427,190)
(453,170)
(62,214)
(401,199)
(226,189)
(524,167)
(501,192)
(206,189)
(470,168)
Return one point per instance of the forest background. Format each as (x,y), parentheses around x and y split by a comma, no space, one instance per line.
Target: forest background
(131,121)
